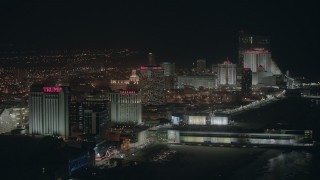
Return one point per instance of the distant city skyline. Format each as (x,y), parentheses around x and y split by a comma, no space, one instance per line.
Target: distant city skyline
(159,89)
(178,31)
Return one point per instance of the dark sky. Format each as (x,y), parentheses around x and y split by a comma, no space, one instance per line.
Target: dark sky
(174,30)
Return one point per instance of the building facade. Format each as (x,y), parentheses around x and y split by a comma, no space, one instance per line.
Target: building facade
(49,110)
(126,107)
(96,115)
(89,115)
(254,58)
(196,82)
(152,85)
(11,118)
(116,84)
(227,73)
(169,70)
(246,83)
(134,78)
(251,42)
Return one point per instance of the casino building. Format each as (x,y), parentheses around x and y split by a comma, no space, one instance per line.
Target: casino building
(227,73)
(126,107)
(253,59)
(205,81)
(49,110)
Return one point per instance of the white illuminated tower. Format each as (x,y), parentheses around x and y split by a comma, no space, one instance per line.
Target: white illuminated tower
(126,107)
(254,58)
(227,73)
(49,110)
(251,42)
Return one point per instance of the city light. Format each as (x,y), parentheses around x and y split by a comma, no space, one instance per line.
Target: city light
(166,90)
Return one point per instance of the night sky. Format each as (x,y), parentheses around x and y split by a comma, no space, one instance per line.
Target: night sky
(180,31)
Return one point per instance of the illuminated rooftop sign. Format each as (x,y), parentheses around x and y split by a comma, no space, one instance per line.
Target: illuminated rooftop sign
(128,92)
(52,89)
(256,51)
(227,62)
(112,81)
(151,67)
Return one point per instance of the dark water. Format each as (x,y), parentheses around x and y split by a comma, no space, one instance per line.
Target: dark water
(194,162)
(292,165)
(290,113)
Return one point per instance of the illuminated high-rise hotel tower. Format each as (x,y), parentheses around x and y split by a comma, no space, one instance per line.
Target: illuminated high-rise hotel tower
(254,59)
(126,107)
(49,110)
(249,42)
(227,73)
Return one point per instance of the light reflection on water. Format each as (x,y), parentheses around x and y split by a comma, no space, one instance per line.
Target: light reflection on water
(289,165)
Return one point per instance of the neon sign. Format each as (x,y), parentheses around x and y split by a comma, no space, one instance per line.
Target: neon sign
(227,62)
(128,92)
(151,67)
(256,51)
(144,68)
(52,89)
